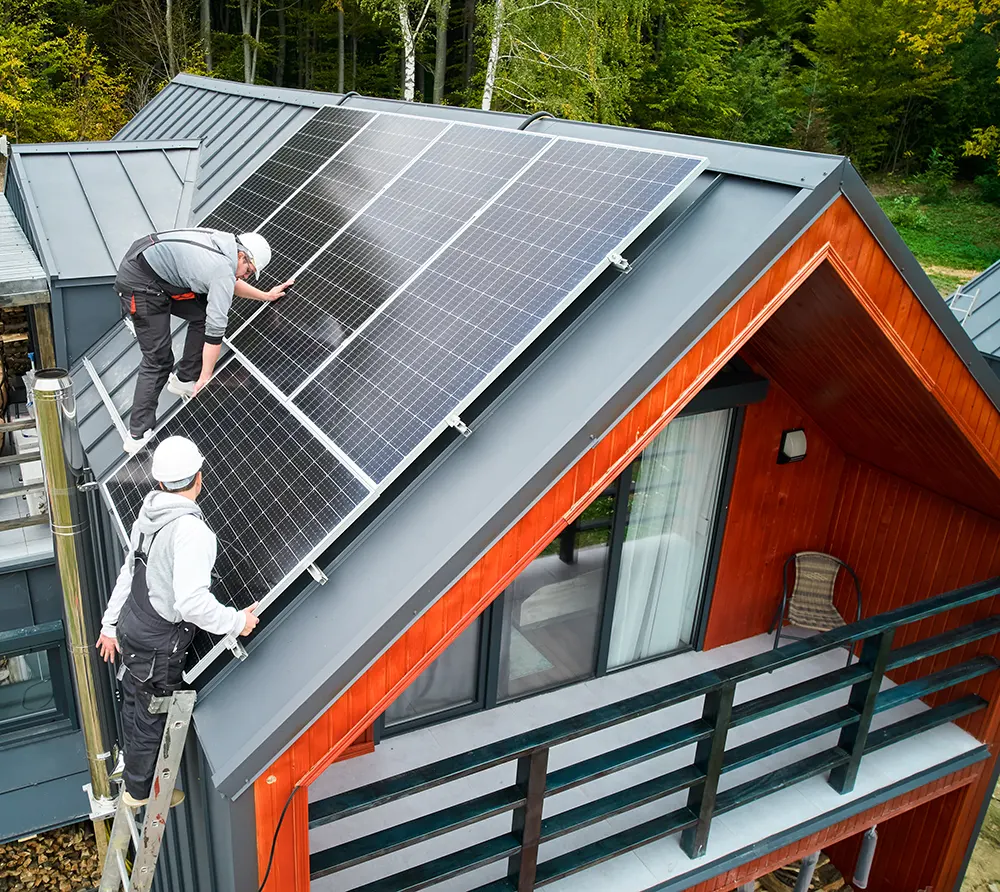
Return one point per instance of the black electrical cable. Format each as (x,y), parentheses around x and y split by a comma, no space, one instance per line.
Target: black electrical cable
(274,839)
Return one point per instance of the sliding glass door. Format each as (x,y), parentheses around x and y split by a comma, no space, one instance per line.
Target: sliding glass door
(668,534)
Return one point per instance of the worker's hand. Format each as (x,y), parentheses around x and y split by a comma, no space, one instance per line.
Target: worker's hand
(107,648)
(199,385)
(278,290)
(250,620)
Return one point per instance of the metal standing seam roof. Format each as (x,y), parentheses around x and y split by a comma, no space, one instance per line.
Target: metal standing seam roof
(710,246)
(87,202)
(22,279)
(982,323)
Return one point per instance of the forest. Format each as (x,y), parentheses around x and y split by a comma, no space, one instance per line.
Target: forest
(906,87)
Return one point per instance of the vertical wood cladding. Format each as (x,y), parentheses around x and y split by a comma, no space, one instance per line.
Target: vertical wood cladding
(774,511)
(801,515)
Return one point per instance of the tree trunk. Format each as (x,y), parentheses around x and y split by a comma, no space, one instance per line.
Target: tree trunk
(470,42)
(494,58)
(206,33)
(354,61)
(171,53)
(409,51)
(279,62)
(256,43)
(301,50)
(441,51)
(340,48)
(246,19)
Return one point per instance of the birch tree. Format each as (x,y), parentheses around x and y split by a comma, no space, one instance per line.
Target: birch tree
(441,13)
(402,11)
(496,33)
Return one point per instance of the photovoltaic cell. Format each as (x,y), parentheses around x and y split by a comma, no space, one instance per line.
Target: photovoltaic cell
(287,169)
(398,233)
(271,492)
(476,304)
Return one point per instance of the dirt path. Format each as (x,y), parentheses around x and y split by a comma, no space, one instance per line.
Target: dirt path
(951,272)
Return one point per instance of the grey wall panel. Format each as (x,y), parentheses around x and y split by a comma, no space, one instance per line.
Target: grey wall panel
(29,597)
(88,312)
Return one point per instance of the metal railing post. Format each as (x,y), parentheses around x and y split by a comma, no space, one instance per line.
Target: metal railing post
(61,453)
(526,824)
(709,756)
(853,738)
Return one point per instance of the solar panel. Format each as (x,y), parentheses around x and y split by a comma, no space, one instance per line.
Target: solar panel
(271,493)
(287,169)
(476,306)
(428,256)
(398,232)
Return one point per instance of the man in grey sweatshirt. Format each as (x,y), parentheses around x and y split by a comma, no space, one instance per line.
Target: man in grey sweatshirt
(162,594)
(192,274)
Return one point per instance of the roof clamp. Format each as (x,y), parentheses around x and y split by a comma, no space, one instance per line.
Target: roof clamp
(619,262)
(86,487)
(318,574)
(459,425)
(239,651)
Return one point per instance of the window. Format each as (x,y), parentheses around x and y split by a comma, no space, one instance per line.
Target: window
(34,680)
(671,521)
(625,582)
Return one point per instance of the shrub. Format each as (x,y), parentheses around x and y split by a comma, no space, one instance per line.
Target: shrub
(937,179)
(989,186)
(904,212)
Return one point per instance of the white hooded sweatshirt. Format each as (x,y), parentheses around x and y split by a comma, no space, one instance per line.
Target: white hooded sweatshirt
(178,568)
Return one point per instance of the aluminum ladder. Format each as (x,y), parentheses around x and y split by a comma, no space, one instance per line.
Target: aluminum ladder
(124,832)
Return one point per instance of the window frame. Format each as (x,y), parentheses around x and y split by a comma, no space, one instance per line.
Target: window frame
(488,663)
(50,639)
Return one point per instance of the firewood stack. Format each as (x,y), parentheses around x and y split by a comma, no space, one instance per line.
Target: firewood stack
(826,879)
(15,340)
(58,861)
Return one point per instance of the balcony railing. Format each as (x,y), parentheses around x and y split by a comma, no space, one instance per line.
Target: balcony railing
(534,782)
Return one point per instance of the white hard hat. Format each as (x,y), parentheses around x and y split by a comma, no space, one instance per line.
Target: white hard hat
(258,249)
(176,460)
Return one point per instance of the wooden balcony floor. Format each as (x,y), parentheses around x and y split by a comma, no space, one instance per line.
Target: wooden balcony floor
(775,814)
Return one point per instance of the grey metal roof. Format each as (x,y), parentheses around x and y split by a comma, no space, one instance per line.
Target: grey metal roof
(87,202)
(982,321)
(689,268)
(22,279)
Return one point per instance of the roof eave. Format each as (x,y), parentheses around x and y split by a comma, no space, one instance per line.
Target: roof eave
(862,200)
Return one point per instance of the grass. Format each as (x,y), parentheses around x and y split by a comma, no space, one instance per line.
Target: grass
(959,234)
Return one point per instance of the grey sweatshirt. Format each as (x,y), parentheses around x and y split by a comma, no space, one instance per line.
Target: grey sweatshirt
(178,567)
(201,270)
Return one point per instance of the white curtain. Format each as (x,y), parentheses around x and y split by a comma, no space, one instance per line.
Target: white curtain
(667,540)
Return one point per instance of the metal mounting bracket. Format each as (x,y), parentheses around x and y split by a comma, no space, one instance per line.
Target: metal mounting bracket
(619,262)
(86,487)
(459,425)
(130,325)
(239,651)
(318,574)
(100,809)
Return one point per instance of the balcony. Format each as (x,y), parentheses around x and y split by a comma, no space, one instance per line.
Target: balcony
(667,773)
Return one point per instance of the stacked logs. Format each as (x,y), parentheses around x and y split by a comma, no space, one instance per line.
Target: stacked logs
(62,860)
(826,878)
(15,339)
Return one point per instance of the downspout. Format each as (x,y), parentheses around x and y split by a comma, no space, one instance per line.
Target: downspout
(63,463)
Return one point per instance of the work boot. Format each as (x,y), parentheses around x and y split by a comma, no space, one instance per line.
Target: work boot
(176,798)
(132,445)
(181,388)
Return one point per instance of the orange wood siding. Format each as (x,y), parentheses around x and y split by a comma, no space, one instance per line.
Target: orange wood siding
(837,237)
(774,510)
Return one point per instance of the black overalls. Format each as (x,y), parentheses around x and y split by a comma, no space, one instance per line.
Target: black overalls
(150,301)
(153,653)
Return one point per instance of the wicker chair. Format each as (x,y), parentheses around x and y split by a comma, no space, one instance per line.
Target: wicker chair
(810,601)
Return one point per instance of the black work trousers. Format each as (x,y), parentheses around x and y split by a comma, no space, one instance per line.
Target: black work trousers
(150,314)
(143,732)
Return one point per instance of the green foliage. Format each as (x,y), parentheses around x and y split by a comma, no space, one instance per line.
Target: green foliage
(959,233)
(936,180)
(905,213)
(989,186)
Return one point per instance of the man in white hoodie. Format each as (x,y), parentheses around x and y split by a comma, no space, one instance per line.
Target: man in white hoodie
(161,597)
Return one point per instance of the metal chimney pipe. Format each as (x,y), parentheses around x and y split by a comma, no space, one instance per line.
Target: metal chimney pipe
(63,461)
(807,867)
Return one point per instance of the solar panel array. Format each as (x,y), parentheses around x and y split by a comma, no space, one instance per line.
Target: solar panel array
(427,255)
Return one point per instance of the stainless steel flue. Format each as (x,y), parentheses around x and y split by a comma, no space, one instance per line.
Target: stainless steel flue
(63,462)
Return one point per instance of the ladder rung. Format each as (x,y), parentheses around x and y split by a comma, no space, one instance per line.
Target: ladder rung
(132,828)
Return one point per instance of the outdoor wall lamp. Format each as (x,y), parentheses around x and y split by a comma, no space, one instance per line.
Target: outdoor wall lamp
(793,446)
